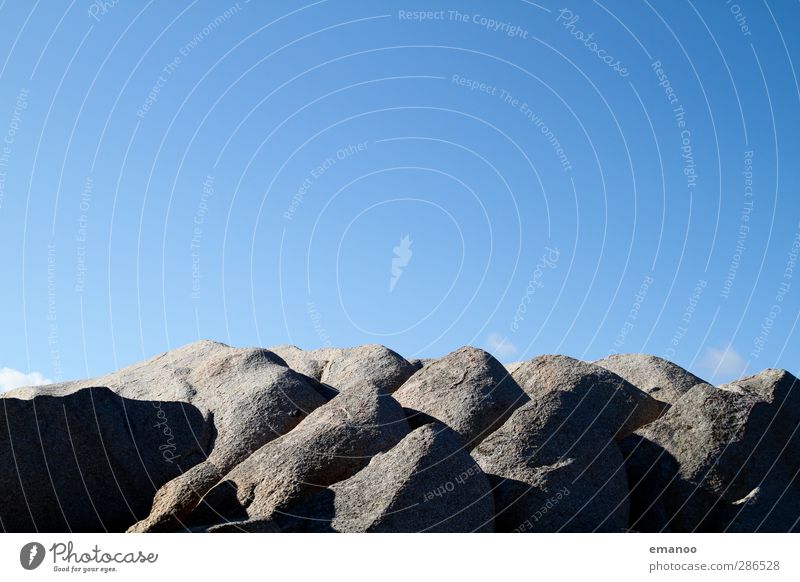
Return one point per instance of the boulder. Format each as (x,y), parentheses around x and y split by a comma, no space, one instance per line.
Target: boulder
(332,444)
(780,391)
(599,397)
(91,460)
(717,447)
(660,378)
(345,368)
(426,483)
(552,472)
(309,363)
(468,390)
(248,395)
(210,438)
(370,364)
(253,397)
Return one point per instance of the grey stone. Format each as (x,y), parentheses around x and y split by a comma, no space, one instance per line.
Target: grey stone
(419,363)
(596,395)
(300,360)
(660,378)
(512,367)
(736,444)
(91,460)
(248,395)
(773,507)
(551,472)
(426,483)
(468,390)
(216,439)
(333,443)
(369,364)
(344,368)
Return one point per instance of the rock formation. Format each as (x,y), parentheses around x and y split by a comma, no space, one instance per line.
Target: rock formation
(720,458)
(468,390)
(660,378)
(217,439)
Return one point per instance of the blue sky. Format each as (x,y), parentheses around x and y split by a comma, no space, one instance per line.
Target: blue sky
(581,178)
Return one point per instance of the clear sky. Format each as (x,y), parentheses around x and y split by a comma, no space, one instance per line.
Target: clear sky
(580,178)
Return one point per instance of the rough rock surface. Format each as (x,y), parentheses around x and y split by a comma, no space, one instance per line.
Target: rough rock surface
(218,439)
(369,364)
(551,472)
(344,368)
(426,483)
(660,378)
(599,397)
(772,507)
(512,367)
(468,390)
(420,363)
(248,396)
(719,457)
(91,460)
(333,443)
(308,362)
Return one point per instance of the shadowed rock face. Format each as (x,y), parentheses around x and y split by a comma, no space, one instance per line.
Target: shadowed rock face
(721,458)
(251,395)
(249,392)
(308,362)
(660,378)
(91,460)
(426,483)
(551,471)
(332,444)
(218,439)
(468,390)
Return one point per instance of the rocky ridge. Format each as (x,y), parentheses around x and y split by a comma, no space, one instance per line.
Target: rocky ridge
(210,438)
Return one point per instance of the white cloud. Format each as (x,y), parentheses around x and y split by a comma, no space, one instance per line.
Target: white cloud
(10,379)
(724,363)
(500,346)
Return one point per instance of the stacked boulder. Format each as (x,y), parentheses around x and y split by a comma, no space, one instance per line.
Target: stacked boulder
(217,439)
(555,464)
(721,459)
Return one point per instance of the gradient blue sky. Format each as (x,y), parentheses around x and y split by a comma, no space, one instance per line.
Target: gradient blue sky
(581,178)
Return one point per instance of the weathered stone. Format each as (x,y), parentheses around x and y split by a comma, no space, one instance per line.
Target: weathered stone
(90,460)
(660,378)
(426,483)
(468,390)
(333,443)
(310,363)
(773,507)
(216,439)
(249,394)
(552,472)
(344,368)
(419,363)
(593,394)
(714,448)
(369,364)
(512,367)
